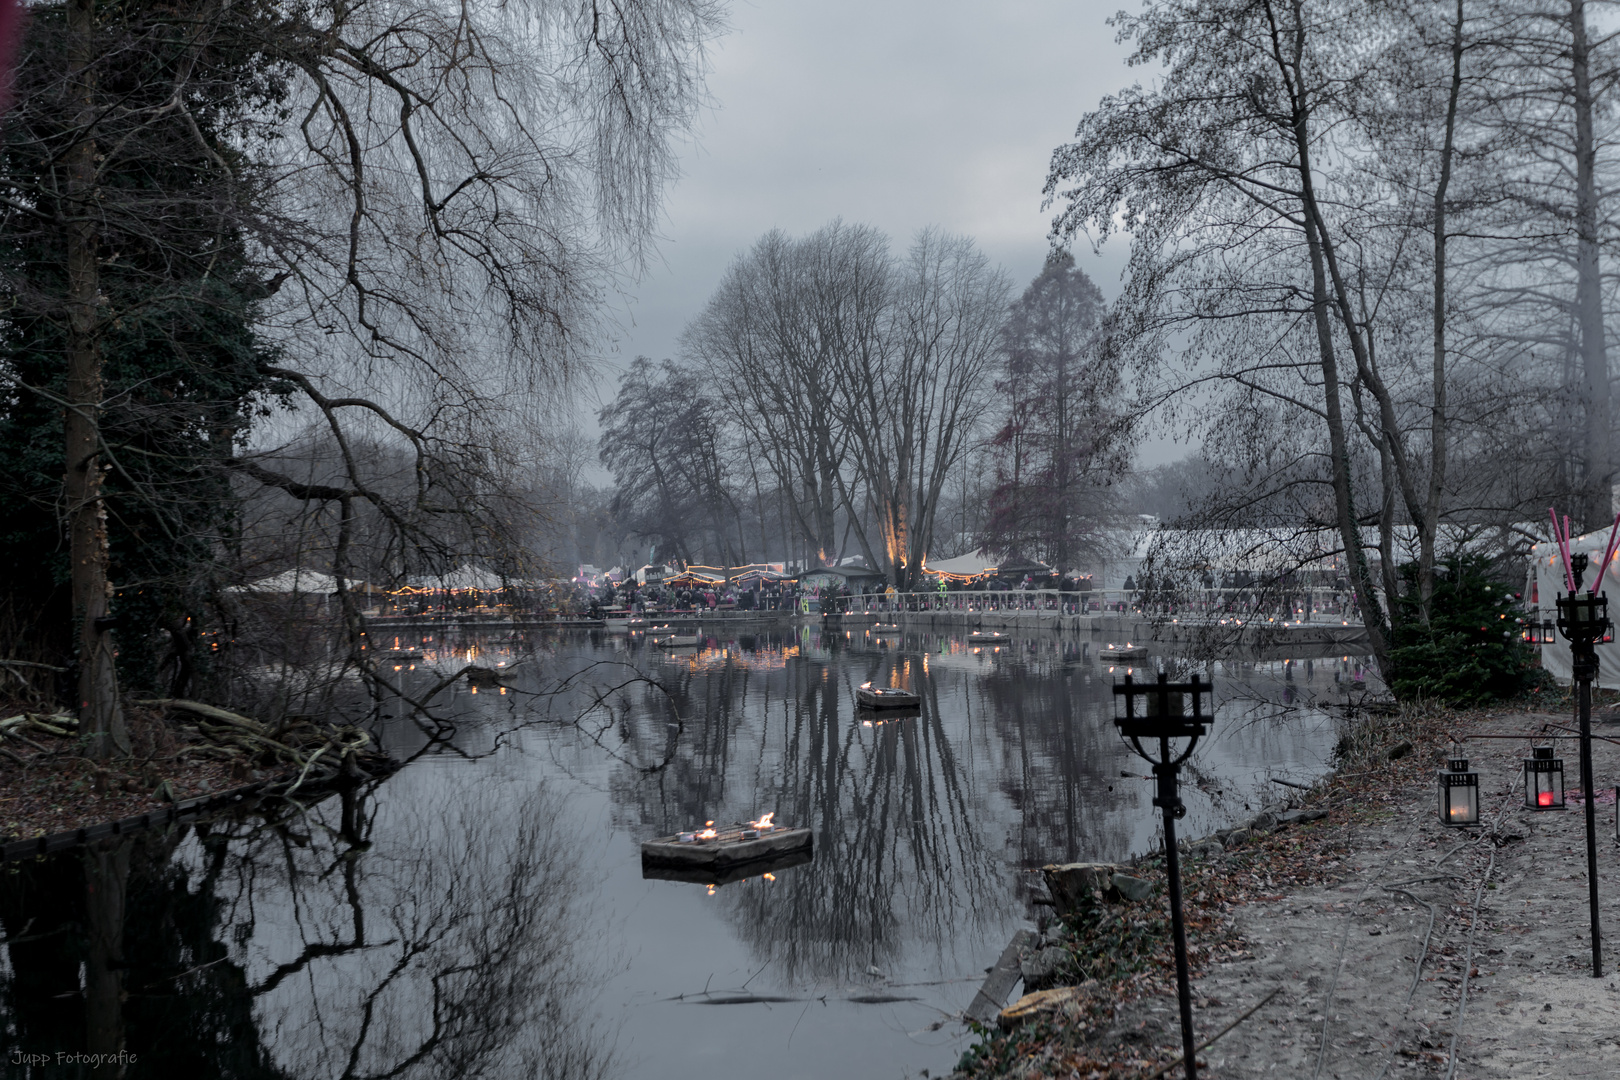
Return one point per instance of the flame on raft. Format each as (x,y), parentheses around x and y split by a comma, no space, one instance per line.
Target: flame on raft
(764,822)
(708,833)
(866,686)
(770,877)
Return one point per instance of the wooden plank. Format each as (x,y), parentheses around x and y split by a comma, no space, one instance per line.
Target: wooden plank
(988,1002)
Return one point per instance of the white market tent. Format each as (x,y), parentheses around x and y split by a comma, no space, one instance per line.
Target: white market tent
(468,577)
(312,582)
(1547,581)
(963,565)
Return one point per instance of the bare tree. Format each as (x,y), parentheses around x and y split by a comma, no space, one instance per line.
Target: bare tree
(914,388)
(770,330)
(858,379)
(664,443)
(1294,186)
(431,202)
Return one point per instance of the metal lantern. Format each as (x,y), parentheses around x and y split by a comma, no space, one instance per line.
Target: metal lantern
(1543,780)
(1170,711)
(1459,794)
(1584,617)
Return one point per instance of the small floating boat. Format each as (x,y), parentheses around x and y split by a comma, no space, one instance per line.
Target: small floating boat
(886,628)
(676,641)
(709,851)
(869,697)
(1128,652)
(479,675)
(988,637)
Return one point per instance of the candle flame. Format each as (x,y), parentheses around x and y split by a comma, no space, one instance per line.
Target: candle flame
(770,877)
(764,821)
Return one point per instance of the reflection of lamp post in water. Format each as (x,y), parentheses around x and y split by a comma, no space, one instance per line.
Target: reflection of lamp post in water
(1583,619)
(1172,711)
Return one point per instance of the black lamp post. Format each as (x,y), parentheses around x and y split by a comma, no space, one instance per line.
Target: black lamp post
(1583,619)
(1170,711)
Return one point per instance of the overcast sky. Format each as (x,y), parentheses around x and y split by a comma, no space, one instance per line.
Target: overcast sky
(894,113)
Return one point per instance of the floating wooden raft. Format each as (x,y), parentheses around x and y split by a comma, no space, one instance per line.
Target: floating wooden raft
(1130,652)
(734,847)
(725,875)
(868,697)
(987,637)
(886,627)
(676,641)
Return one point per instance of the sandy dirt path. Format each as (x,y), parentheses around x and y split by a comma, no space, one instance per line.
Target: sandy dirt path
(1437,952)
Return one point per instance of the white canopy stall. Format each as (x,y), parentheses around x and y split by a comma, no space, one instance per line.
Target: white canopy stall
(1546,582)
(963,566)
(311,582)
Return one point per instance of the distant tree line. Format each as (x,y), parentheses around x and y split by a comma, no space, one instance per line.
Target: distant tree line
(835,397)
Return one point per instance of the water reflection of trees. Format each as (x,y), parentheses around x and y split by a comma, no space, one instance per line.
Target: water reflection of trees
(907,849)
(1060,758)
(314,945)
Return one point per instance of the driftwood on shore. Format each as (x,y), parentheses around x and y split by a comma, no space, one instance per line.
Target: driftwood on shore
(310,753)
(17,729)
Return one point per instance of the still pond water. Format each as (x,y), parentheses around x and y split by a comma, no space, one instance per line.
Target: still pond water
(483,912)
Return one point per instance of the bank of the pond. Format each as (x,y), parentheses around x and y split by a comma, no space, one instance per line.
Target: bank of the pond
(183,755)
(1374,941)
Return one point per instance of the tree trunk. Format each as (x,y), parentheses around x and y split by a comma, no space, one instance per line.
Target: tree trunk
(1596,500)
(100,713)
(1338,445)
(1429,527)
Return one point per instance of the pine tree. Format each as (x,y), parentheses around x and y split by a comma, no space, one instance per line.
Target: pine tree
(1471,652)
(1060,442)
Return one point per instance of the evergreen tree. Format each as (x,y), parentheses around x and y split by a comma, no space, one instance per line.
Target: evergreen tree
(178,91)
(1471,652)
(1060,441)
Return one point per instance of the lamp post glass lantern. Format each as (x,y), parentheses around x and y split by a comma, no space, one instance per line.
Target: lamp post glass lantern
(1459,793)
(1583,619)
(1543,780)
(1170,711)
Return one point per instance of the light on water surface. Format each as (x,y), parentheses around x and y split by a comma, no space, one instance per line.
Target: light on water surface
(502,876)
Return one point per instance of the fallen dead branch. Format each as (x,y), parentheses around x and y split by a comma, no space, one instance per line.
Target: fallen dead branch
(311,754)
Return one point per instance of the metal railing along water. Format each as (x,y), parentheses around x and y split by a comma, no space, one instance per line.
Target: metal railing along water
(1238,605)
